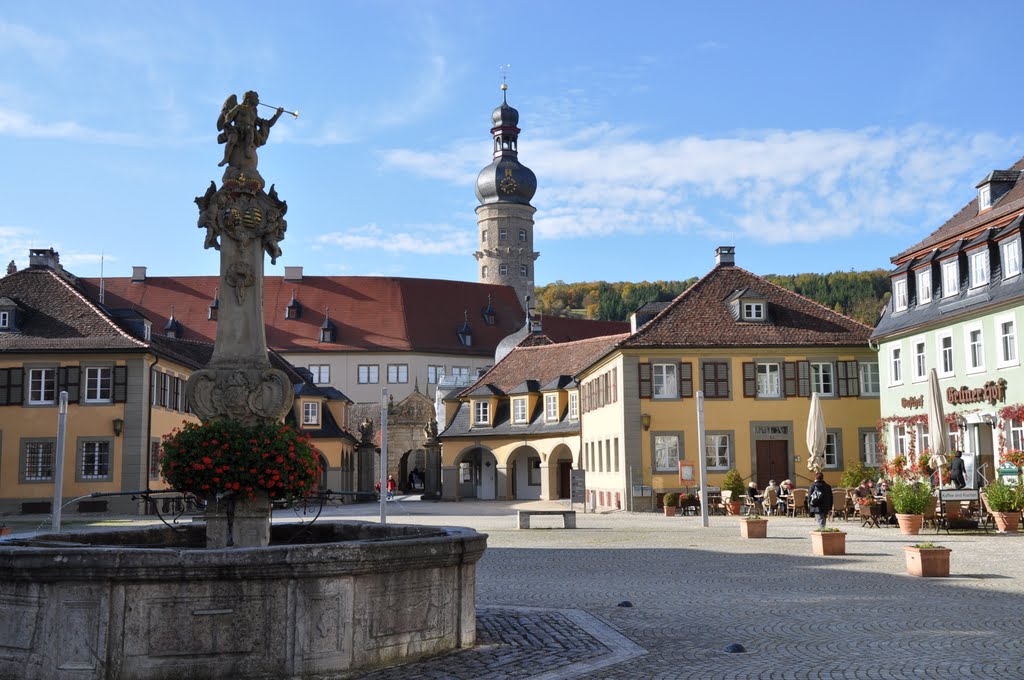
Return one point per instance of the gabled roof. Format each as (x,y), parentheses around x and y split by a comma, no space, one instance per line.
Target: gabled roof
(699,317)
(543,363)
(967,219)
(58,318)
(370,313)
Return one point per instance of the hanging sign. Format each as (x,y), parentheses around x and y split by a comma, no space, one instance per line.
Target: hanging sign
(686,472)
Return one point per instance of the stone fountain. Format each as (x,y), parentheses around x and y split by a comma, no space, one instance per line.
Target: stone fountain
(236,597)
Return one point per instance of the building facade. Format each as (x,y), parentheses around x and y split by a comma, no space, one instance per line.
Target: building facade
(758,352)
(956,308)
(515,433)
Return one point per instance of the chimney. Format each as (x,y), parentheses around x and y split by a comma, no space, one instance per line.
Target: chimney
(44,258)
(138,274)
(293,273)
(725,256)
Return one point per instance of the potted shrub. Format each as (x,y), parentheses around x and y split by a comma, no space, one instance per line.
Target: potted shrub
(1005,502)
(734,483)
(671,500)
(754,526)
(854,474)
(828,541)
(910,500)
(927,559)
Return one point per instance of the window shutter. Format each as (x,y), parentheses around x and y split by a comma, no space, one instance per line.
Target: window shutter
(686,380)
(803,369)
(4,388)
(615,385)
(789,378)
(644,375)
(16,386)
(853,378)
(749,379)
(62,380)
(120,384)
(74,383)
(841,386)
(179,388)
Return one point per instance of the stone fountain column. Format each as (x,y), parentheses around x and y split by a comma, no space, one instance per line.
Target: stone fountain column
(242,221)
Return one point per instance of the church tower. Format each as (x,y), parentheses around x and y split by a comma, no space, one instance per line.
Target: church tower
(505,216)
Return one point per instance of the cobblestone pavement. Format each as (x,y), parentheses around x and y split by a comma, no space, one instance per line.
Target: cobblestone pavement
(548,601)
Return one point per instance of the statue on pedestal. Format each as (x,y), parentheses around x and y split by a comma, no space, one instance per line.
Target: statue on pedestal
(242,222)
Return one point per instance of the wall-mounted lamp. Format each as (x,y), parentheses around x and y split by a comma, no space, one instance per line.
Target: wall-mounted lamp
(645,420)
(118,424)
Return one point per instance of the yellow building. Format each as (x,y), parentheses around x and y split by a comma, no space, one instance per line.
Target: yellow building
(757,351)
(125,385)
(515,432)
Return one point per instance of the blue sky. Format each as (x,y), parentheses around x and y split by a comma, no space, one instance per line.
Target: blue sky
(814,136)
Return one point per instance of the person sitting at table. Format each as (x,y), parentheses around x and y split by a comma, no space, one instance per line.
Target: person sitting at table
(752,500)
(773,487)
(786,488)
(882,488)
(864,490)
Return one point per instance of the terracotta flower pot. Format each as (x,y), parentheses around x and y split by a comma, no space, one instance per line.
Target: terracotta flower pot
(670,511)
(910,524)
(927,561)
(754,528)
(1007,522)
(733,507)
(828,542)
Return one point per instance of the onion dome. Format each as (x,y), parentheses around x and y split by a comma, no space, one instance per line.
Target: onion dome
(505,180)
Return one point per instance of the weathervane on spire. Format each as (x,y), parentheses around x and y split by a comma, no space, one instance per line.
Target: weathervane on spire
(504,70)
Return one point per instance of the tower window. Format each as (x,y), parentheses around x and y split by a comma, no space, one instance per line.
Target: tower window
(483,236)
(503,269)
(522,234)
(503,234)
(524,270)
(483,272)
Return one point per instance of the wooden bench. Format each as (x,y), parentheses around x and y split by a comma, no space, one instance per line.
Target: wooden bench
(568,517)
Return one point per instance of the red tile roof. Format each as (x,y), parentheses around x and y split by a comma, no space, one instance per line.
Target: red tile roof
(371,313)
(544,363)
(700,317)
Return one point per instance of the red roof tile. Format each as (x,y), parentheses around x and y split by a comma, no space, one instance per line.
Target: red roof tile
(700,317)
(371,313)
(544,363)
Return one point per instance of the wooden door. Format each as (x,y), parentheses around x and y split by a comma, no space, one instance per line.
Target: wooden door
(564,468)
(772,461)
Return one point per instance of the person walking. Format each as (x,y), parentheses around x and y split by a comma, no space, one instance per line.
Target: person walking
(819,499)
(391,486)
(957,470)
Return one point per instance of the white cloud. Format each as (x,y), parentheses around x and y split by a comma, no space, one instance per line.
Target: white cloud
(18,124)
(424,239)
(41,48)
(772,186)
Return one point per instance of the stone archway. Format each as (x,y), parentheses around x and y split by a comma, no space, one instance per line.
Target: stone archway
(524,474)
(412,460)
(477,474)
(559,465)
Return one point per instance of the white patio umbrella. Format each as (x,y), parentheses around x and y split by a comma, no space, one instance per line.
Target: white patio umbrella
(938,436)
(816,435)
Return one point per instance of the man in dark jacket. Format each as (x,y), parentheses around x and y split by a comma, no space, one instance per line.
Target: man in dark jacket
(819,499)
(957,470)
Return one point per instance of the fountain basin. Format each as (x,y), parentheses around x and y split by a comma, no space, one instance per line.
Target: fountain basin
(153,604)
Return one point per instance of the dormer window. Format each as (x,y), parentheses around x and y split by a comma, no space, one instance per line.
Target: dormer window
(311,413)
(481,413)
(979,268)
(899,294)
(924,286)
(211,311)
(753,311)
(488,313)
(1011,258)
(8,315)
(328,332)
(464,331)
(950,278)
(519,410)
(293,310)
(5,320)
(147,331)
(984,198)
(172,329)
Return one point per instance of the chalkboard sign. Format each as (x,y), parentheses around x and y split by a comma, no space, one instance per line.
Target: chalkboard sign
(578,486)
